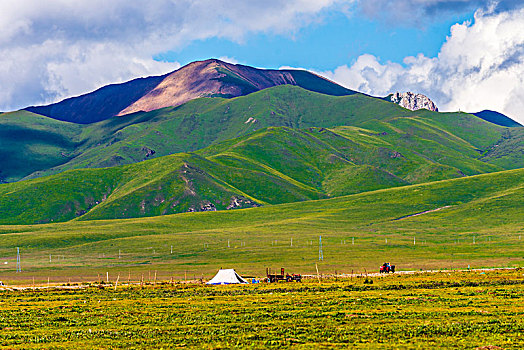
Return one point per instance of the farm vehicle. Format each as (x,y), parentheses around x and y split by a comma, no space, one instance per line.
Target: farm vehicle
(387,268)
(274,277)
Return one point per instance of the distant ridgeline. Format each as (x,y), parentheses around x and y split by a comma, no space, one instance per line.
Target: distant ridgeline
(497,118)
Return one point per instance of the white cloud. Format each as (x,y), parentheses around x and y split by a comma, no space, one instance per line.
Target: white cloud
(480,66)
(422,12)
(228,59)
(56,48)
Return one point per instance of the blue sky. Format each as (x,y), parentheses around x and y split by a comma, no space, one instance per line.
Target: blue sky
(337,39)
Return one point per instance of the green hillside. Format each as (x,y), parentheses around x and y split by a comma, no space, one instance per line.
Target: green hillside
(475,221)
(271,166)
(508,152)
(202,122)
(30,142)
(207,121)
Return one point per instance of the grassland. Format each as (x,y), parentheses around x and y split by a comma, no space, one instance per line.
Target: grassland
(479,224)
(482,310)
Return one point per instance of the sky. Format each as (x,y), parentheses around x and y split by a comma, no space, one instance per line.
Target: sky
(464,54)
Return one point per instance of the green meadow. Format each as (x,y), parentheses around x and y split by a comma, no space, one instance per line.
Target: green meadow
(478,223)
(34,145)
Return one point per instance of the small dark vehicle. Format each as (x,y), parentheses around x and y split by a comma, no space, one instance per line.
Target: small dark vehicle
(271,278)
(387,268)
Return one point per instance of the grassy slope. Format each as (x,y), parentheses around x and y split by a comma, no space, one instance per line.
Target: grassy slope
(271,166)
(166,185)
(30,142)
(487,208)
(207,121)
(508,152)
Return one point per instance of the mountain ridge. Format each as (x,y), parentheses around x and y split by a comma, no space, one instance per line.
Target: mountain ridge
(497,118)
(208,78)
(211,78)
(99,104)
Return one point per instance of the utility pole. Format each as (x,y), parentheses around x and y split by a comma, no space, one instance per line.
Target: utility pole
(18,265)
(320,252)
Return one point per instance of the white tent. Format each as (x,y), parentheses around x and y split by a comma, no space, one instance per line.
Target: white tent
(227,276)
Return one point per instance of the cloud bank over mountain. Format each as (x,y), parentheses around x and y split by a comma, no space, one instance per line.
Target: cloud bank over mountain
(480,66)
(57,48)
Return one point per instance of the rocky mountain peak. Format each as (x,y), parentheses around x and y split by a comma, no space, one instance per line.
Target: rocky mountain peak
(208,78)
(412,101)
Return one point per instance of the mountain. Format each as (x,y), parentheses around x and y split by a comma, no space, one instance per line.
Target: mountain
(41,149)
(497,118)
(279,144)
(412,101)
(214,78)
(209,78)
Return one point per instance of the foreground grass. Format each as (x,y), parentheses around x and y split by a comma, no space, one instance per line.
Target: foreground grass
(430,310)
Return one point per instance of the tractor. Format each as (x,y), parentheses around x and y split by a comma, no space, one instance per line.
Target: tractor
(387,268)
(274,277)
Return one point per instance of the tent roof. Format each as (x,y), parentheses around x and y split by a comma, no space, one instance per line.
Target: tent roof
(227,276)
